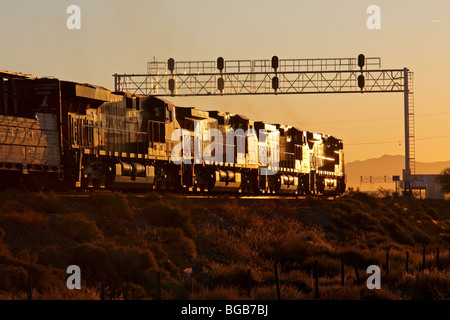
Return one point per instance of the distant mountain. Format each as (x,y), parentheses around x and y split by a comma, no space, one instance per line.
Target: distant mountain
(386,165)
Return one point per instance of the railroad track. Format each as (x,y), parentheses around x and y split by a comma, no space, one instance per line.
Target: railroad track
(86,194)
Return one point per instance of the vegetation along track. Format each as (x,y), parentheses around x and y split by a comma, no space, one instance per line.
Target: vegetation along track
(203,248)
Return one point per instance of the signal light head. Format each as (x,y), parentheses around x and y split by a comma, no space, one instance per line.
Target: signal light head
(171,64)
(275,62)
(220,63)
(361,81)
(361,60)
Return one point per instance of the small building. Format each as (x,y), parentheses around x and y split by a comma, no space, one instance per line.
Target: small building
(428,183)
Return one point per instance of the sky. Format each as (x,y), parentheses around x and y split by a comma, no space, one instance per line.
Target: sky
(118,36)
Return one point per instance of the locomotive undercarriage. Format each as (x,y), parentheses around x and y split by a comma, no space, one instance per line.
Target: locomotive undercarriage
(90,172)
(206,178)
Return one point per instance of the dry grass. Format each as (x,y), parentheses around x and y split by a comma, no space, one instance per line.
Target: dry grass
(109,205)
(127,240)
(27,217)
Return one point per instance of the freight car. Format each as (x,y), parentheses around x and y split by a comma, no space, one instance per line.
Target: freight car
(58,134)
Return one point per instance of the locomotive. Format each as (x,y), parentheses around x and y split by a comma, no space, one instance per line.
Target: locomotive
(64,135)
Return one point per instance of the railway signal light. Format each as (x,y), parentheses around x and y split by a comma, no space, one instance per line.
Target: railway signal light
(361,60)
(220,63)
(171,65)
(361,81)
(275,62)
(275,84)
(172,85)
(220,84)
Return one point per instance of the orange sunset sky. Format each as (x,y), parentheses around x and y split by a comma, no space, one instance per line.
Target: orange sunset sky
(121,36)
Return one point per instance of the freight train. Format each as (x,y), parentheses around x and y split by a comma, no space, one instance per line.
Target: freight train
(65,135)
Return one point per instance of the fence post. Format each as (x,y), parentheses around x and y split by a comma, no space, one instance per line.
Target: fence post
(249,283)
(387,262)
(159,286)
(356,272)
(407,260)
(437,258)
(316,278)
(423,259)
(102,287)
(276,281)
(211,281)
(30,287)
(342,271)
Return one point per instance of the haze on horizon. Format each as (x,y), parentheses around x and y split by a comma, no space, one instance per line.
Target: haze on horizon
(120,36)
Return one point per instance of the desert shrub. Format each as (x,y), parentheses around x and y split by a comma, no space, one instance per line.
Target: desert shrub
(61,293)
(299,279)
(79,228)
(426,285)
(288,212)
(227,243)
(397,232)
(351,255)
(344,205)
(11,205)
(364,198)
(151,196)
(218,293)
(362,220)
(130,263)
(117,264)
(132,291)
(337,292)
(234,275)
(328,266)
(13,278)
(16,272)
(432,212)
(176,238)
(384,193)
(377,294)
(166,215)
(110,205)
(269,292)
(26,256)
(8,295)
(53,255)
(284,250)
(91,258)
(47,203)
(294,245)
(420,237)
(313,201)
(27,217)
